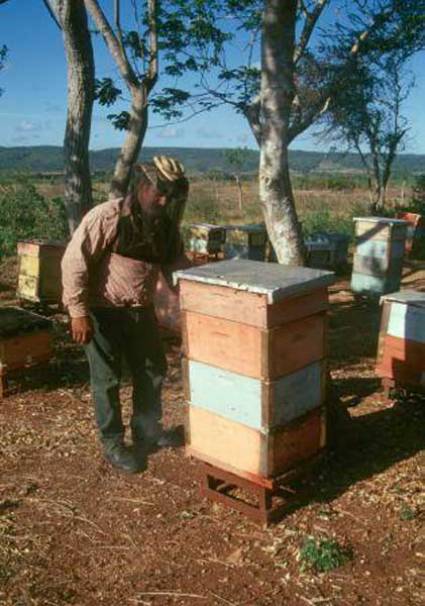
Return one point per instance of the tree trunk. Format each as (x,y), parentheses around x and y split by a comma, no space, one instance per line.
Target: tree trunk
(277,93)
(79,55)
(131,147)
(240,195)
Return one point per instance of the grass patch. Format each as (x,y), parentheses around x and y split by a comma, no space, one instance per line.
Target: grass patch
(323,555)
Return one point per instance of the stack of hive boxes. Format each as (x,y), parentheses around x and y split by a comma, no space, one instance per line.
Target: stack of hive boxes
(378,259)
(255,344)
(401,350)
(39,274)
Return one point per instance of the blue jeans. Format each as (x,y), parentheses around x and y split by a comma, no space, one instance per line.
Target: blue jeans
(131,334)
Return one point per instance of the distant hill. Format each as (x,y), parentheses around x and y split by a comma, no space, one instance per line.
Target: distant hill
(48,159)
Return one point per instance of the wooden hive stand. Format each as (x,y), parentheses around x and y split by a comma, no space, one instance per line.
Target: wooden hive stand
(265,502)
(254,368)
(25,342)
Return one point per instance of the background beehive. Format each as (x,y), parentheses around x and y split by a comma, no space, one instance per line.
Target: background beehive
(247,241)
(415,240)
(327,250)
(204,238)
(254,337)
(39,274)
(25,341)
(378,258)
(401,350)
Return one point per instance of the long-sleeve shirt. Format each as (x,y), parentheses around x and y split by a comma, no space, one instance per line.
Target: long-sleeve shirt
(95,276)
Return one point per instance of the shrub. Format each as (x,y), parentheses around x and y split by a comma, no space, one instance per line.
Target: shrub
(25,214)
(323,555)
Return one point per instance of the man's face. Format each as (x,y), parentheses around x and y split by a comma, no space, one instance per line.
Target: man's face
(152,199)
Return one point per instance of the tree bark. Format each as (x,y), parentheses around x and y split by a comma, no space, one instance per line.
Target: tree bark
(79,55)
(277,93)
(131,147)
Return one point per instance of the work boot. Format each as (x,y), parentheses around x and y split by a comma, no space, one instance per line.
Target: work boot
(171,438)
(121,457)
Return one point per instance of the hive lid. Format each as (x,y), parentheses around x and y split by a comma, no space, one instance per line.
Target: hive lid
(387,220)
(275,281)
(408,297)
(246,227)
(14,321)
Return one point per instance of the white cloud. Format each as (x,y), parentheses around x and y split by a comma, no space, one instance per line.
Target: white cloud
(208,133)
(25,126)
(170,132)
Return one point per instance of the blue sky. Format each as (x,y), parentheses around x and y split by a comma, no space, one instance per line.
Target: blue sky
(33,107)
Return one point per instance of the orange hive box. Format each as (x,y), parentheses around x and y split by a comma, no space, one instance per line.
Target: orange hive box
(401,349)
(25,341)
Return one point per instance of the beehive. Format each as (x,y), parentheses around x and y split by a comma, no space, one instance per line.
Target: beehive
(378,258)
(25,340)
(205,238)
(401,349)
(327,250)
(39,274)
(415,240)
(254,339)
(246,242)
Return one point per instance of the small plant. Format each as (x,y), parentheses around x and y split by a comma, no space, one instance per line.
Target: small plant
(322,555)
(407,514)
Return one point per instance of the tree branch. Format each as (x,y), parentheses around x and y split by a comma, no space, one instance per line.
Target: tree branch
(153,43)
(54,14)
(127,72)
(309,25)
(252,114)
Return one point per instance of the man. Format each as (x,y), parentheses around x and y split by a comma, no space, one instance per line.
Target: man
(109,272)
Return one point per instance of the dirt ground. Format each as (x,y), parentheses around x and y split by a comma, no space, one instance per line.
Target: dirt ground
(73,531)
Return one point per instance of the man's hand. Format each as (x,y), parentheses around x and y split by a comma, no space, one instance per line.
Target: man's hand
(82,330)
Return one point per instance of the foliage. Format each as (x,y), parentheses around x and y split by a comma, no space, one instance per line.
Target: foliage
(324,220)
(365,110)
(417,201)
(323,555)
(237,158)
(25,214)
(3,55)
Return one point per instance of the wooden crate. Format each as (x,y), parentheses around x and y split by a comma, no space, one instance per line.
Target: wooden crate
(39,273)
(254,338)
(247,241)
(401,349)
(25,341)
(378,258)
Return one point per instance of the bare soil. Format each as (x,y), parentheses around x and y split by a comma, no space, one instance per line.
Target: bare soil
(74,531)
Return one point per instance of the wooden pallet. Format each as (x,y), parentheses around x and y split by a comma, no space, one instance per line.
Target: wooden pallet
(265,502)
